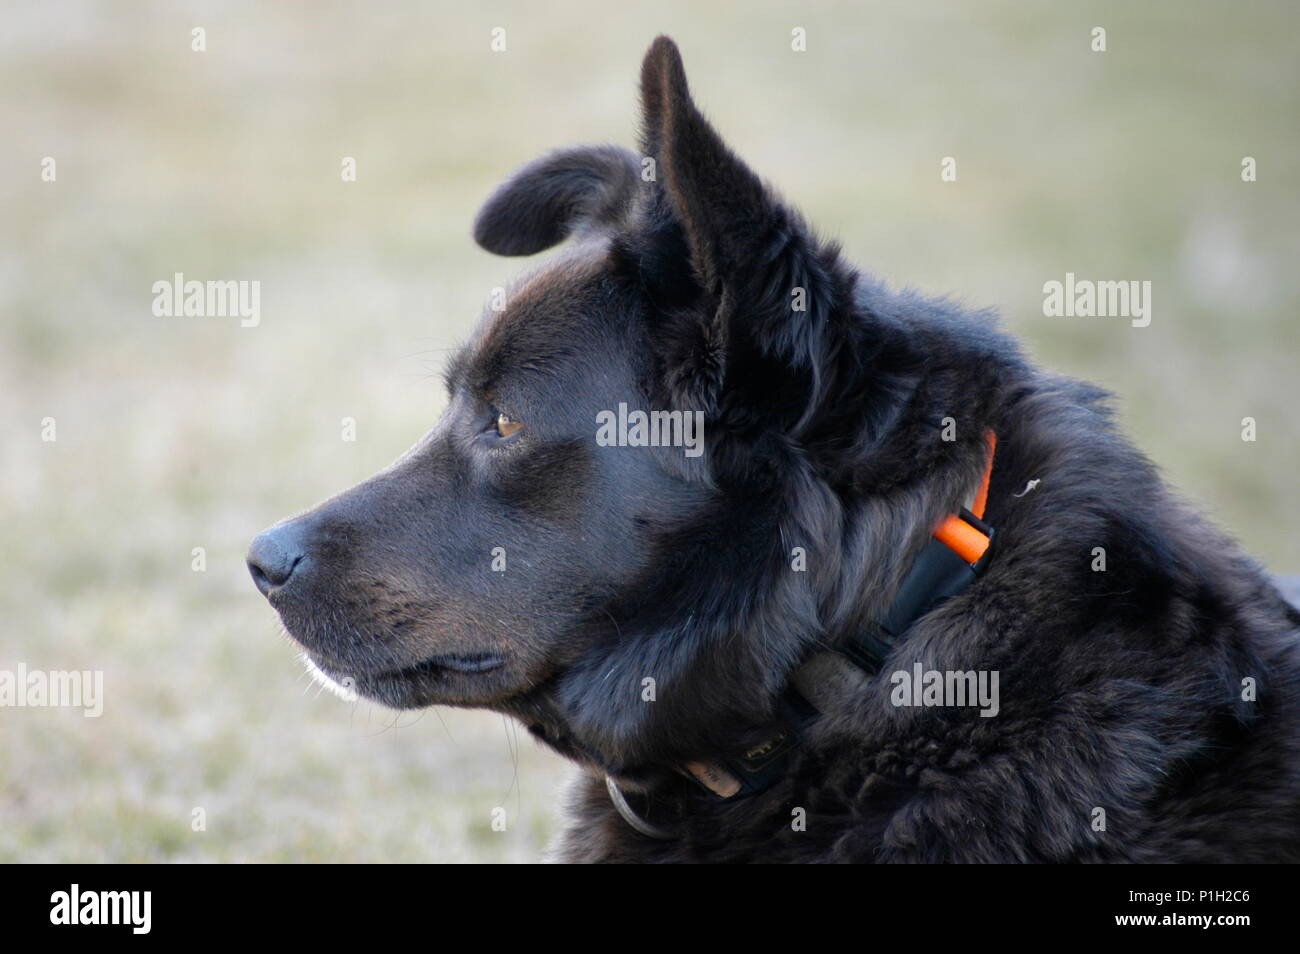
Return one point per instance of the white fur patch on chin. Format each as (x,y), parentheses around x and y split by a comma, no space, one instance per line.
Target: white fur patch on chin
(343,690)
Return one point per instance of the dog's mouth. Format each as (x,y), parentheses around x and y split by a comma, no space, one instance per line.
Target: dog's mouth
(466,663)
(395,686)
(457,662)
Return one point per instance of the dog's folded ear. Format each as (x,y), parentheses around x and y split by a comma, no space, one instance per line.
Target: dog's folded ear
(562,192)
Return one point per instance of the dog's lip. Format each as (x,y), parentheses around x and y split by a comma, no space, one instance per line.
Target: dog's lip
(460,662)
(464,663)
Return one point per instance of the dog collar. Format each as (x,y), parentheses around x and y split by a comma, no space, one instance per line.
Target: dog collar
(951,560)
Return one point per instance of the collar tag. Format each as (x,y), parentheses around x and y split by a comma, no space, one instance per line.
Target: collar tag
(713,777)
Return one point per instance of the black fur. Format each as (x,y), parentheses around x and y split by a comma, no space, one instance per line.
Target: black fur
(1120,690)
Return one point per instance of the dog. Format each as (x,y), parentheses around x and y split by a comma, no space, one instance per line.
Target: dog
(795,567)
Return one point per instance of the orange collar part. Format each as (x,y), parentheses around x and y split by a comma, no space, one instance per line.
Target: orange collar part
(960,535)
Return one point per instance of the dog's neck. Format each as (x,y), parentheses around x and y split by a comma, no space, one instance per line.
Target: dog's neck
(949,561)
(826,682)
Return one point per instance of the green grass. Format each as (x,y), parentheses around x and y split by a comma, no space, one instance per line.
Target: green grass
(175,434)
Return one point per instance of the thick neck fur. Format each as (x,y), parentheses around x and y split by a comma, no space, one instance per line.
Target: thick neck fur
(819,539)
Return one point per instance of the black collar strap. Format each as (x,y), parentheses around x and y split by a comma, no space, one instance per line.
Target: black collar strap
(950,561)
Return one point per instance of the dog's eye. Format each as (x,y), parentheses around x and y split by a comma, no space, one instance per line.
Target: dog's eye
(506,425)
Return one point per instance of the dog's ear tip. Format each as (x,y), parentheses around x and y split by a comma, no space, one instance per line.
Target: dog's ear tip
(663,90)
(500,242)
(481,233)
(485,236)
(663,49)
(494,234)
(662,66)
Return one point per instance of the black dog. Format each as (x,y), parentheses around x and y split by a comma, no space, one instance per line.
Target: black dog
(831,625)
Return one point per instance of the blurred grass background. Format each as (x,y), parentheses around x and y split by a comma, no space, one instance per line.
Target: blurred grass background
(183,433)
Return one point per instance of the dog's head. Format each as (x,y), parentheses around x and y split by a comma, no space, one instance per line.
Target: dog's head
(536,552)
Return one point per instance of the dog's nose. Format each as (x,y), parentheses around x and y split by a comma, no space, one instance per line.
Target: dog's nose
(273,556)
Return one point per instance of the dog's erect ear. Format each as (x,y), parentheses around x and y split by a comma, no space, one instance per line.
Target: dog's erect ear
(770,288)
(586,187)
(723,208)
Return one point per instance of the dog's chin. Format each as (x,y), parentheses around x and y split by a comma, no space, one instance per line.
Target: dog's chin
(459,680)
